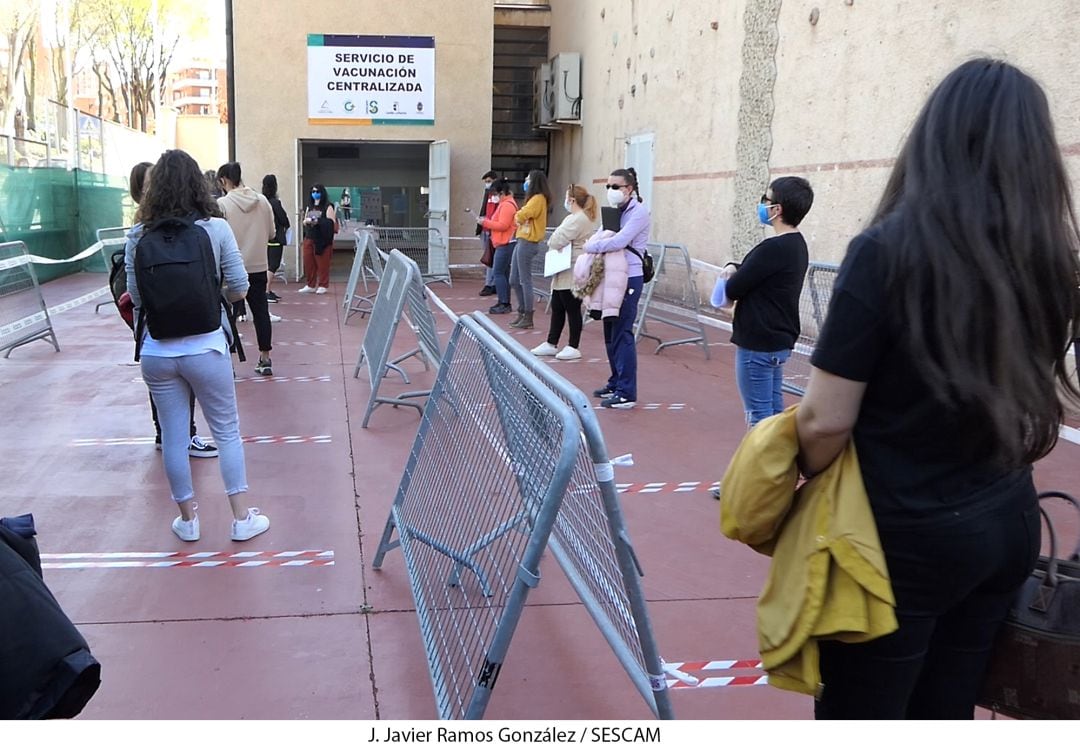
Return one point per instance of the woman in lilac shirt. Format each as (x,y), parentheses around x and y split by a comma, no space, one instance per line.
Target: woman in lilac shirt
(620,392)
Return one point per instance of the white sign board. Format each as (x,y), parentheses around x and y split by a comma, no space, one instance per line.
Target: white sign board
(371,80)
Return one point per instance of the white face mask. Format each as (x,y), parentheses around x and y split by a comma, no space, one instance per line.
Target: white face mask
(616,197)
(567,204)
(487,186)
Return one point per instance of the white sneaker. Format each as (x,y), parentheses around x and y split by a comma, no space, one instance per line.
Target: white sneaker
(569,353)
(255,524)
(274,318)
(321,290)
(544,348)
(306,288)
(241,318)
(186,530)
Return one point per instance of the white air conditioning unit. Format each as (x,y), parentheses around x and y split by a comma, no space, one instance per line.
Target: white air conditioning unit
(566,88)
(542,100)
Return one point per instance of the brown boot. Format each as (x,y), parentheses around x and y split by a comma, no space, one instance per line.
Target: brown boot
(525,322)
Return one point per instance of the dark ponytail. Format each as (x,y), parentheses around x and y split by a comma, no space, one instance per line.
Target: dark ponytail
(631,177)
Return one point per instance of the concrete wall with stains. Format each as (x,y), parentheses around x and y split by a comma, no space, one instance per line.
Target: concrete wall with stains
(740,91)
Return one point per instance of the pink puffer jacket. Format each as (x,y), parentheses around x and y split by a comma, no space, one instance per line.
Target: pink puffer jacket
(607,297)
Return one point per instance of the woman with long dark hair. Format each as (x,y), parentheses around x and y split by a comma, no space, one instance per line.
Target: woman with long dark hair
(318,240)
(174,368)
(944,357)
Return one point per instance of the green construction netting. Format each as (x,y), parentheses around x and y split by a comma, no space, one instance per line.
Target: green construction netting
(56,212)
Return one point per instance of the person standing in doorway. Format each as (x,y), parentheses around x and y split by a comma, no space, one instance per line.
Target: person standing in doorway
(620,392)
(531,222)
(346,205)
(252,221)
(488,204)
(501,227)
(319,221)
(573,231)
(766,287)
(276,247)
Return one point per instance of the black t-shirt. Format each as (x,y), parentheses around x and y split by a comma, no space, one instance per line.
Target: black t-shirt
(922,461)
(767,287)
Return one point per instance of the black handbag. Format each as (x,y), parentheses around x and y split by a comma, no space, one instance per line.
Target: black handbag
(1034,670)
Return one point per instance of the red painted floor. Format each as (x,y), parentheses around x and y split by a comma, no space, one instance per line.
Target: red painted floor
(297,638)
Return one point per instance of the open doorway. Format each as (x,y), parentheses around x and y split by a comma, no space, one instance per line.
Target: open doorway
(388,184)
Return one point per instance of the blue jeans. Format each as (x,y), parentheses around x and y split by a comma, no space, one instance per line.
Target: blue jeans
(501,267)
(760,376)
(210,376)
(521,281)
(621,348)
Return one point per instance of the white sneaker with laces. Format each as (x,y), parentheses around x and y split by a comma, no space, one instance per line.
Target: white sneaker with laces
(569,353)
(321,290)
(306,288)
(201,448)
(274,318)
(186,530)
(544,348)
(255,524)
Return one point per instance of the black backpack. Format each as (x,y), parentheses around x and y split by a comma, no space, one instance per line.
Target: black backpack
(118,287)
(178,281)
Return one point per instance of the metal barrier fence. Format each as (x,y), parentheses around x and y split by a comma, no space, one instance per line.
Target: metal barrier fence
(424,245)
(506,445)
(112,239)
(813,305)
(398,277)
(24,317)
(366,260)
(592,544)
(671,298)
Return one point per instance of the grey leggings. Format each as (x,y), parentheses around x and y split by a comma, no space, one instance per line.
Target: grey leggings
(210,376)
(521,281)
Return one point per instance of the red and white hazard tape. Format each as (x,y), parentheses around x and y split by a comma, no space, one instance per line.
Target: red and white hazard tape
(720,681)
(683,679)
(302,344)
(146,440)
(264,379)
(652,488)
(192,560)
(658,406)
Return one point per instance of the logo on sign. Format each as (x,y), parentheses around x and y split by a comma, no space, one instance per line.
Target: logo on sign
(325,108)
(419,106)
(371,107)
(349,106)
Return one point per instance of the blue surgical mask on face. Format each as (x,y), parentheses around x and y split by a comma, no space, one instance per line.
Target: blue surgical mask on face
(763,214)
(315,195)
(525,186)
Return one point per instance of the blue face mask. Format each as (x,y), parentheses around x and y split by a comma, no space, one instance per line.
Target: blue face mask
(315,195)
(763,214)
(525,186)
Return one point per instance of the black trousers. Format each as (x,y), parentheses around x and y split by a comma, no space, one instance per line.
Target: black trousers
(564,307)
(954,583)
(260,309)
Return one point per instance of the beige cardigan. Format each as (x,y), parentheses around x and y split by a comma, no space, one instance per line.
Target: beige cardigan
(575,230)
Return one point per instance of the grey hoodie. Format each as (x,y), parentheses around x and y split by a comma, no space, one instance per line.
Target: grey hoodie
(252,221)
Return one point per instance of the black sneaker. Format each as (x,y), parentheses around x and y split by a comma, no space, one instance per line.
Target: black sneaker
(272,297)
(716,493)
(200,448)
(603,392)
(501,308)
(487,290)
(263,368)
(618,402)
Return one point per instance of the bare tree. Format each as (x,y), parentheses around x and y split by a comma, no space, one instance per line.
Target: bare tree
(124,33)
(18,27)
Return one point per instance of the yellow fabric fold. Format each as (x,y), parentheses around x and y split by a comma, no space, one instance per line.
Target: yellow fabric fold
(828,578)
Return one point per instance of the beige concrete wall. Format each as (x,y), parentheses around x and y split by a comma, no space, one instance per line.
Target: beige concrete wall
(205,138)
(844,93)
(270,74)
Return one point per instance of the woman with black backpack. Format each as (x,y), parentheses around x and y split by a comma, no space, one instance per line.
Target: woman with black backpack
(182,333)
